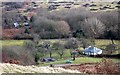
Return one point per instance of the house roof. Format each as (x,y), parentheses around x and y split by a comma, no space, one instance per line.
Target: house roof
(92,49)
(16,24)
(26,23)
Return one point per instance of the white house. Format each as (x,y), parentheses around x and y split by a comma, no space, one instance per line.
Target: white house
(16,24)
(92,51)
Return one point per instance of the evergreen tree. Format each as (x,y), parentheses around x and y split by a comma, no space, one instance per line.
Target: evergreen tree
(26,31)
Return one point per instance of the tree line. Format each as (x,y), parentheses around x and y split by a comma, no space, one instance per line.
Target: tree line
(66,23)
(77,23)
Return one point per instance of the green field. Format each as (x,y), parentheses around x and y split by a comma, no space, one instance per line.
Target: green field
(98,42)
(66,55)
(12,42)
(78,60)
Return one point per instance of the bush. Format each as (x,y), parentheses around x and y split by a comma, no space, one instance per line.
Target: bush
(23,36)
(86,42)
(37,57)
(26,31)
(111,48)
(29,45)
(25,56)
(59,47)
(72,43)
(107,66)
(62,28)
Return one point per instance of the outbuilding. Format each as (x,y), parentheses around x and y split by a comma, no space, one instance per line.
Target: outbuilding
(16,24)
(26,24)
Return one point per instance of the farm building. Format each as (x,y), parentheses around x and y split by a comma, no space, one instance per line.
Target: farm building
(92,51)
(26,24)
(16,24)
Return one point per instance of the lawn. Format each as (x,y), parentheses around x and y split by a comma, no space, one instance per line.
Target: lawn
(78,60)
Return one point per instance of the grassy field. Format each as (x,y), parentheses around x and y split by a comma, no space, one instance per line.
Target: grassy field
(12,42)
(98,42)
(101,42)
(66,55)
(78,60)
(98,6)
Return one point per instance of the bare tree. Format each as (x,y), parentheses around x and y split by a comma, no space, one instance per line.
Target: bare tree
(93,27)
(62,28)
(47,45)
(110,19)
(59,47)
(72,44)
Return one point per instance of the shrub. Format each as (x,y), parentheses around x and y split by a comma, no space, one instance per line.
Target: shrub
(29,45)
(62,28)
(37,57)
(72,43)
(59,47)
(26,31)
(86,42)
(107,66)
(23,36)
(25,56)
(111,48)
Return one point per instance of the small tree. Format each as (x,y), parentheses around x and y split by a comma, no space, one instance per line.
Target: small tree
(27,31)
(86,42)
(110,35)
(78,33)
(36,38)
(40,51)
(111,48)
(47,45)
(111,21)
(31,19)
(62,28)
(59,47)
(92,28)
(37,57)
(72,44)
(29,45)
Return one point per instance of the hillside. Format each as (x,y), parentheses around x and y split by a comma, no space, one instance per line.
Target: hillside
(65,0)
(84,0)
